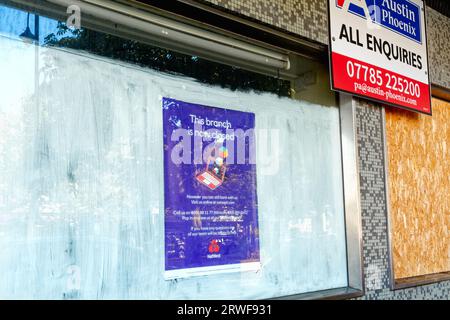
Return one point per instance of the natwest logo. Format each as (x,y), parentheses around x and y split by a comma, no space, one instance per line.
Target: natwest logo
(399,16)
(213,246)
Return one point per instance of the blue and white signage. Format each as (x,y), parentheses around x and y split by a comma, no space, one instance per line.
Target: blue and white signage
(399,16)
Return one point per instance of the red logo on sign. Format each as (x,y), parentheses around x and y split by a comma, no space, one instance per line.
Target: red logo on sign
(213,247)
(341,3)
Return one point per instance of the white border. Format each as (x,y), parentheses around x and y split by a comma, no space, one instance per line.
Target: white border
(203,271)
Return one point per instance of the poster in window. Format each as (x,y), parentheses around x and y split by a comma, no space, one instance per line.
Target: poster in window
(210,197)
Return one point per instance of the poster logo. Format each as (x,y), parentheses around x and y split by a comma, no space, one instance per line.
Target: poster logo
(399,16)
(213,247)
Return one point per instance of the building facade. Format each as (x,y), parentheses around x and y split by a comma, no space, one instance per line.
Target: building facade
(402,188)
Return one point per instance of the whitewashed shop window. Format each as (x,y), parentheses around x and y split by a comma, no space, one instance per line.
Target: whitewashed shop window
(82,197)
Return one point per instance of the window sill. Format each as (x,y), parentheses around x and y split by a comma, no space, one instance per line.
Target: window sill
(410,282)
(331,294)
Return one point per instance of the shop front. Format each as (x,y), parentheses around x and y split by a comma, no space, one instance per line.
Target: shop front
(196,150)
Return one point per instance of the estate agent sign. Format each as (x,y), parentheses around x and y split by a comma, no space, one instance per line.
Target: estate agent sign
(378,50)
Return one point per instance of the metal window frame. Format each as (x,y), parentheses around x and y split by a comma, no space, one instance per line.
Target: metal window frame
(352,196)
(348,138)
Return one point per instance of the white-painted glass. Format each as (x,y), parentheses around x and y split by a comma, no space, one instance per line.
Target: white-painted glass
(81,182)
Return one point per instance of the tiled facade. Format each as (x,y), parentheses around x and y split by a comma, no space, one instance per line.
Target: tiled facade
(306,18)
(438,31)
(309,19)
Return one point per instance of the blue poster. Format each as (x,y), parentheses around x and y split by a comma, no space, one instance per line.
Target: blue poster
(211,212)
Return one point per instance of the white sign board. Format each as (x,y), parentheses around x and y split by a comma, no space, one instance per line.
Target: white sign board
(378,50)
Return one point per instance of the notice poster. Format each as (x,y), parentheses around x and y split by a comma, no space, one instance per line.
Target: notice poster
(211,213)
(378,51)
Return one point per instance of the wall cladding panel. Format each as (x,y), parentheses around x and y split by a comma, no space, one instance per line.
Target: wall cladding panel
(438,28)
(306,18)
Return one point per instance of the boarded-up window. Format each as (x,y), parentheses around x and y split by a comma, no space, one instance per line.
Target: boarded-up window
(419,187)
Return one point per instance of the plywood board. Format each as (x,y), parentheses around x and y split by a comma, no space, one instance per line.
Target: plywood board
(419,189)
